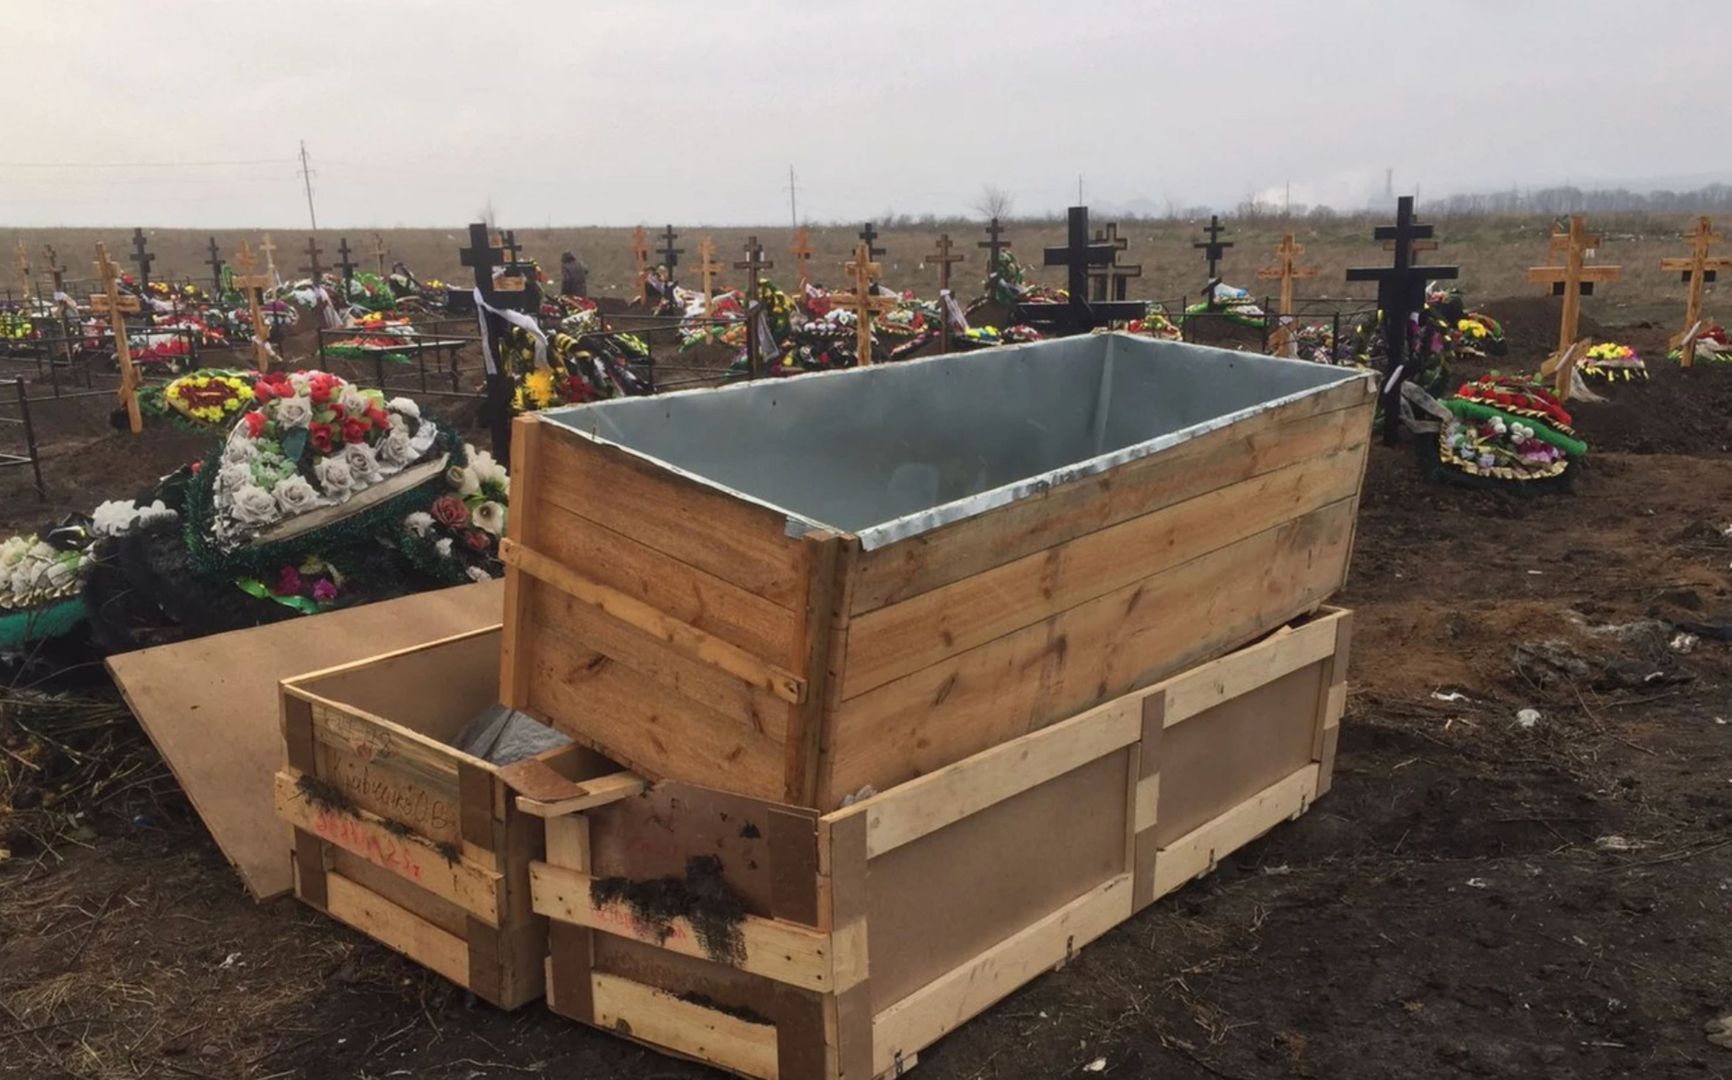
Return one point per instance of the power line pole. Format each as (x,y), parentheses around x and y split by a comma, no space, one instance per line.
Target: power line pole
(793,213)
(307,179)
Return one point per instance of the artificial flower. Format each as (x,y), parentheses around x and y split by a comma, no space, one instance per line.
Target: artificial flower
(490,517)
(293,412)
(362,461)
(449,510)
(253,505)
(295,495)
(334,476)
(419,523)
(255,423)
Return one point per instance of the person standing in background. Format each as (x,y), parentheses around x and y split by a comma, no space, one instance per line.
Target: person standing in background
(573,276)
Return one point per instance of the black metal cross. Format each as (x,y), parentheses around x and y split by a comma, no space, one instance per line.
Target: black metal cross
(1078,254)
(1213,248)
(345,265)
(1400,297)
(1110,282)
(993,245)
(508,242)
(215,262)
(670,254)
(870,234)
(482,256)
(142,259)
(752,264)
(313,268)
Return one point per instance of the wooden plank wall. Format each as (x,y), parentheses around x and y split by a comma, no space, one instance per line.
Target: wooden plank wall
(980,631)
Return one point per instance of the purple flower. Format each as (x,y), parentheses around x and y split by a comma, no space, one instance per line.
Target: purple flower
(324,592)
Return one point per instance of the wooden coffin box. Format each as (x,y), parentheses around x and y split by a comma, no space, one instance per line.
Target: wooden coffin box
(775,942)
(805,589)
(404,837)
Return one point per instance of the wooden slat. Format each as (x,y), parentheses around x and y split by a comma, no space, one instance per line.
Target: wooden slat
(690,595)
(905,637)
(586,795)
(426,804)
(646,727)
(663,1020)
(923,1017)
(406,854)
(912,810)
(585,631)
(520,526)
(1310,427)
(1093,652)
(806,719)
(723,535)
(783,952)
(381,743)
(414,937)
(693,642)
(1202,688)
(1200,849)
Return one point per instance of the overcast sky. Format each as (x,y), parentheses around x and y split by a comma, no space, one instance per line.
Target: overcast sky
(419,112)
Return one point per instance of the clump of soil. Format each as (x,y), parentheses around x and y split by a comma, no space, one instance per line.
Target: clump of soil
(702,898)
(1530,323)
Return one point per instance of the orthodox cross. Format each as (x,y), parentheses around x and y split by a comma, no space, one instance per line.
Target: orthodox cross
(116,305)
(270,252)
(753,263)
(1110,282)
(802,250)
(508,243)
(708,267)
(869,235)
(482,256)
(1287,270)
(215,262)
(1400,297)
(1213,248)
(670,254)
(346,266)
(640,255)
(250,285)
(56,272)
(379,251)
(944,257)
(1574,279)
(993,244)
(142,259)
(1698,270)
(1077,256)
(24,268)
(313,268)
(863,271)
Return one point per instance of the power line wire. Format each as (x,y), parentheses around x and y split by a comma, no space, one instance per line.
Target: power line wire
(138,164)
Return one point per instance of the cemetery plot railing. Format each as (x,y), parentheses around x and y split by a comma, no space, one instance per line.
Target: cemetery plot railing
(21,419)
(448,350)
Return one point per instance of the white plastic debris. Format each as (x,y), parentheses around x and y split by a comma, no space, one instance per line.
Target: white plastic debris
(229,961)
(1452,696)
(1527,719)
(1478,883)
(1097,1065)
(1685,643)
(1618,843)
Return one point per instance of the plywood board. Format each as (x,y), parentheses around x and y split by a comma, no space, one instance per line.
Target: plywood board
(210,706)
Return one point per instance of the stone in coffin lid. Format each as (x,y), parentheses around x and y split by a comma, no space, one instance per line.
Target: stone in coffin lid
(895,450)
(388,488)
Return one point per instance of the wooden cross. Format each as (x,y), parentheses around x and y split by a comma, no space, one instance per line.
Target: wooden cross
(250,285)
(1078,254)
(270,253)
(112,303)
(864,272)
(24,268)
(869,235)
(142,259)
(1400,297)
(640,254)
(56,272)
(802,251)
(1111,282)
(1574,279)
(379,251)
(708,268)
(508,242)
(752,264)
(944,257)
(215,262)
(993,244)
(346,266)
(1213,248)
(1698,270)
(1287,270)
(313,266)
(670,254)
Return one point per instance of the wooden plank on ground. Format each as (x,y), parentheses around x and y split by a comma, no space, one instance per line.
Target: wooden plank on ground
(414,937)
(903,638)
(1307,428)
(942,1006)
(1093,652)
(666,1022)
(721,534)
(1201,848)
(408,855)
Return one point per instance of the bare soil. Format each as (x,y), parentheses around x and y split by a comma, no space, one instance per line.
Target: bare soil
(1474,898)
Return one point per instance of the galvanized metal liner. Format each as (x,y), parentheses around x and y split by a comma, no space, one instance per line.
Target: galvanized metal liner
(893,450)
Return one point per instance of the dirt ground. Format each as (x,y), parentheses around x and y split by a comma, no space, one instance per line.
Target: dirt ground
(1474,897)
